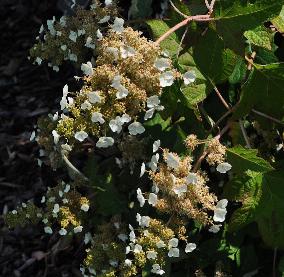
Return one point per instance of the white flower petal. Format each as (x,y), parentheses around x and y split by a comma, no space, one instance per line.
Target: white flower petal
(223,167)
(166,79)
(215,228)
(136,128)
(156,145)
(162,64)
(172,160)
(118,25)
(153,199)
(62,232)
(81,135)
(142,171)
(97,117)
(87,68)
(191,178)
(189,77)
(48,230)
(190,247)
(173,252)
(78,229)
(94,97)
(173,242)
(105,142)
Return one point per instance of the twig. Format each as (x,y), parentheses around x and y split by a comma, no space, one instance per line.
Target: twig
(201,18)
(222,118)
(204,154)
(244,133)
(73,168)
(267,116)
(221,97)
(181,41)
(274,263)
(177,10)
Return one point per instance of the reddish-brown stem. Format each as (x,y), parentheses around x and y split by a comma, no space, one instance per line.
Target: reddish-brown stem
(222,98)
(205,17)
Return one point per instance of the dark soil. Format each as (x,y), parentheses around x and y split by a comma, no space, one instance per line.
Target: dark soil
(27,92)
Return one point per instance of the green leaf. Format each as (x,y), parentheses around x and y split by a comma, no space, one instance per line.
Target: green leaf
(270,217)
(260,36)
(235,17)
(197,91)
(239,72)
(246,189)
(216,63)
(278,21)
(243,159)
(262,201)
(264,91)
(158,28)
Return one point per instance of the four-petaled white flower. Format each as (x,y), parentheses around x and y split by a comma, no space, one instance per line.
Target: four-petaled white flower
(117,25)
(153,199)
(190,247)
(116,125)
(166,79)
(173,242)
(180,190)
(136,128)
(86,105)
(85,207)
(153,101)
(191,178)
(62,232)
(220,211)
(223,167)
(173,252)
(189,77)
(162,64)
(78,229)
(137,248)
(94,97)
(160,244)
(56,136)
(97,117)
(140,197)
(149,114)
(127,51)
(128,262)
(81,135)
(89,43)
(143,221)
(151,255)
(153,164)
(105,142)
(48,230)
(156,269)
(215,228)
(108,2)
(87,68)
(156,145)
(172,160)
